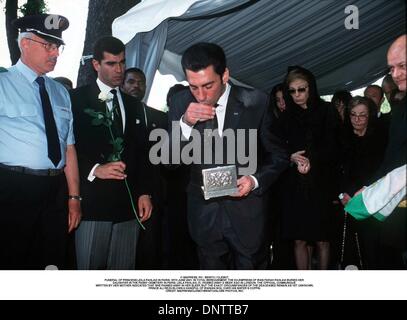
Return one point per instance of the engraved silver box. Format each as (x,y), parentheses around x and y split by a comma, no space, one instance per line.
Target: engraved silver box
(219,182)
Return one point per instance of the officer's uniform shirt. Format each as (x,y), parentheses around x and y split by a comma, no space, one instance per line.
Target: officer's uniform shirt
(23,140)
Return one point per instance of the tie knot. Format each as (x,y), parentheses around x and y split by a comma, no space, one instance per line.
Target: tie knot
(40,81)
(114,92)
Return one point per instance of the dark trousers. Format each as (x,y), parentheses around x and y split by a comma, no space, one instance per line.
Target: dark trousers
(219,247)
(178,247)
(393,241)
(33,221)
(149,246)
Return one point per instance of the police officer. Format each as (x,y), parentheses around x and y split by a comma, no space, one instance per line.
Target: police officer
(38,162)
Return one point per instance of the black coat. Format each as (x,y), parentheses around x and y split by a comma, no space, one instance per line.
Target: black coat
(396,152)
(362,157)
(307,197)
(108,200)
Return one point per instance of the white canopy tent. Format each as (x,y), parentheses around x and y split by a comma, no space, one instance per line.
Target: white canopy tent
(262,37)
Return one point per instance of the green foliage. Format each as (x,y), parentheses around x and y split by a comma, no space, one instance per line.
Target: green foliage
(118,148)
(385,107)
(105,118)
(33,7)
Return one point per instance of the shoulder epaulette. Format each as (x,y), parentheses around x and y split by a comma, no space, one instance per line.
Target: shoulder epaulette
(3,69)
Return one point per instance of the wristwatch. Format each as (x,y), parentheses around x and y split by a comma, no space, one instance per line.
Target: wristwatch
(79,198)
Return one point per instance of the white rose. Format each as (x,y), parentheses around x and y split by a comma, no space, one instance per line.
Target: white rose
(105,96)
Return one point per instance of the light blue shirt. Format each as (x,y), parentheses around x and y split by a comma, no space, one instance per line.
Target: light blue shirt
(23,141)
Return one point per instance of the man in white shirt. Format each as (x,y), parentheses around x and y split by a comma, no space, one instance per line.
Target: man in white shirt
(229,231)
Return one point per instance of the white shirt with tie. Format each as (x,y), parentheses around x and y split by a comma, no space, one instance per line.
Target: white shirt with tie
(106,89)
(220,114)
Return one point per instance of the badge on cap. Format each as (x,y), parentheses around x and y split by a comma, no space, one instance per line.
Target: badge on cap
(46,26)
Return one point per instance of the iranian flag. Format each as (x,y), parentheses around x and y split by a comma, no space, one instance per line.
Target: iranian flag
(381,198)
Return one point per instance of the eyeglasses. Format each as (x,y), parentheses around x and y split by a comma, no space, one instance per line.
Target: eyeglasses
(299,90)
(49,46)
(359,116)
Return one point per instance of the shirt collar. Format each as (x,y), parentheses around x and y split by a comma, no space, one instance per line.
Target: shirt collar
(26,71)
(223,100)
(105,88)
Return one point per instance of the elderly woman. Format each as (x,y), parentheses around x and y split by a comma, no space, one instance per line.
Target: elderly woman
(309,125)
(363,151)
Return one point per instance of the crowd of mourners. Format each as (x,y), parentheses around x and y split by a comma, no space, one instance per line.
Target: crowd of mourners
(344,142)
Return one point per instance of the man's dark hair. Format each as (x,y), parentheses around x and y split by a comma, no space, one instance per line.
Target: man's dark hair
(377,87)
(202,55)
(135,70)
(107,44)
(342,96)
(174,90)
(65,82)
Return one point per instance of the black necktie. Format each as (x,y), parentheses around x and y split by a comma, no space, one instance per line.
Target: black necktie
(213,123)
(117,115)
(54,149)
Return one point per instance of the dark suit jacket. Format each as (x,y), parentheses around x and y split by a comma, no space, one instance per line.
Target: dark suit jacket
(155,118)
(246,109)
(108,200)
(396,152)
(394,228)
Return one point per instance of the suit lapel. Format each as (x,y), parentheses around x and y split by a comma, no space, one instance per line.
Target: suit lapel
(126,111)
(94,98)
(234,110)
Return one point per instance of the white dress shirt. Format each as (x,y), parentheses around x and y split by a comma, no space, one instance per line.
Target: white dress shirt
(220,114)
(106,89)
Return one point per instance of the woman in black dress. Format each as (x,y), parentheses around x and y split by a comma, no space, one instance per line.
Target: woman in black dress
(309,125)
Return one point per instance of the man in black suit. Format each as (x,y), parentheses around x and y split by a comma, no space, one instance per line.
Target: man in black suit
(149,248)
(229,231)
(134,84)
(376,93)
(393,233)
(107,236)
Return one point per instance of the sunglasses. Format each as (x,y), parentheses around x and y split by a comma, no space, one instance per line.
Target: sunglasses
(299,90)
